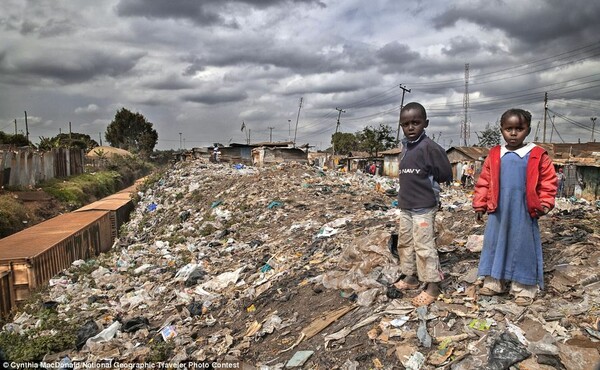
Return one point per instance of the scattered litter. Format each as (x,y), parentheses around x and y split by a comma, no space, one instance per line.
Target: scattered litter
(299,359)
(415,362)
(506,351)
(399,322)
(105,335)
(205,267)
(168,332)
(274,204)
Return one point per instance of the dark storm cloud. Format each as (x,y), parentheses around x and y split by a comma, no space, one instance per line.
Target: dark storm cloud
(461,46)
(70,66)
(49,28)
(302,60)
(531,22)
(395,57)
(203,13)
(216,97)
(168,83)
(267,3)
(340,85)
(195,11)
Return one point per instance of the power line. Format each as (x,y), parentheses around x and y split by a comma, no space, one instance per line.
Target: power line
(486,104)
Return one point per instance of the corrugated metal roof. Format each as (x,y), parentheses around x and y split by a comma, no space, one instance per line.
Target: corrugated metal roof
(358,154)
(391,151)
(568,150)
(473,152)
(37,239)
(561,153)
(111,203)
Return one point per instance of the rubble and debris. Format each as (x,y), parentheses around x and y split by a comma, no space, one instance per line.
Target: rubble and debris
(230,263)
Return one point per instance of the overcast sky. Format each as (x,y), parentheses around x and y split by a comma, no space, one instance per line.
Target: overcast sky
(202,67)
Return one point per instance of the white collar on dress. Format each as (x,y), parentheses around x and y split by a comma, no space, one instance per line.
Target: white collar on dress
(521,152)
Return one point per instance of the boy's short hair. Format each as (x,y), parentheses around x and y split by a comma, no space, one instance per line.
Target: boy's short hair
(415,105)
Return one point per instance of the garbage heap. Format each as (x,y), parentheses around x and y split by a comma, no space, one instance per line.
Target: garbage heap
(289,266)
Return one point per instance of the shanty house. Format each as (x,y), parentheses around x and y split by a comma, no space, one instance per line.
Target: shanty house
(469,155)
(273,153)
(391,162)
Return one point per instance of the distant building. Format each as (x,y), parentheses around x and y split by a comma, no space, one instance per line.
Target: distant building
(462,156)
(268,153)
(391,162)
(580,163)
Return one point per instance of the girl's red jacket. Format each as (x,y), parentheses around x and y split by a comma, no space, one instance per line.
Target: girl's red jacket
(541,182)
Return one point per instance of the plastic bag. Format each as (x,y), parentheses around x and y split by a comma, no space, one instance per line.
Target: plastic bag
(88,330)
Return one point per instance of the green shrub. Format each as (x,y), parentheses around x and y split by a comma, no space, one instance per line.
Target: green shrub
(160,351)
(85,188)
(51,336)
(12,215)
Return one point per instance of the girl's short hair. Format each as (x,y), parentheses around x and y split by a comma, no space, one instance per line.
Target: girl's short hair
(521,113)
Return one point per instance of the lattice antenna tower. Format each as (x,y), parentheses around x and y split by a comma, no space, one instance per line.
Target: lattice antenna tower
(465,128)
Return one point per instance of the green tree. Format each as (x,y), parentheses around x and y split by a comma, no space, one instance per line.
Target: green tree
(132,132)
(16,140)
(74,140)
(344,142)
(490,136)
(375,140)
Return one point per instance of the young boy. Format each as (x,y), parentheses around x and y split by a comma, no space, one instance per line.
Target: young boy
(423,166)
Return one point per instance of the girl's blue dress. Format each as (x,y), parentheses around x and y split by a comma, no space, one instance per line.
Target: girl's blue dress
(512,249)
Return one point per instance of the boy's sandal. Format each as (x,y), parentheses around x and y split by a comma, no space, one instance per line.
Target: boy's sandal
(523,301)
(403,285)
(423,299)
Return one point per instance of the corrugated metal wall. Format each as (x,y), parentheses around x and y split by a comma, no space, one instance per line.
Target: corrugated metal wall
(391,164)
(26,167)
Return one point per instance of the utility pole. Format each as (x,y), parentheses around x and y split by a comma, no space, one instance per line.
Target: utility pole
(180,141)
(70,140)
(100,137)
(26,129)
(465,129)
(340,111)
(15,126)
(404,90)
(297,118)
(289,130)
(545,114)
(593,119)
(271,134)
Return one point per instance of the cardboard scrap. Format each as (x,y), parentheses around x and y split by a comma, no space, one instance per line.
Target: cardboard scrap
(319,324)
(324,321)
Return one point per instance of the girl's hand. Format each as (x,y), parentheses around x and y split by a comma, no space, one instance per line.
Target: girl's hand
(479,217)
(543,211)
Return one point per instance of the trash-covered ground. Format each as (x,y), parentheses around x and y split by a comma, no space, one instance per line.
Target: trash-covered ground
(289,266)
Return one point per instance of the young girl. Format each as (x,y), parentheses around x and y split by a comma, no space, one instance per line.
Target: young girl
(517,185)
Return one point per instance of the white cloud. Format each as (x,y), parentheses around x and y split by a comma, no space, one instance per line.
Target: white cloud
(91,108)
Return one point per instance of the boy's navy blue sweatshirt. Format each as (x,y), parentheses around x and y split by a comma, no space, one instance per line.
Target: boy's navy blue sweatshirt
(423,166)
